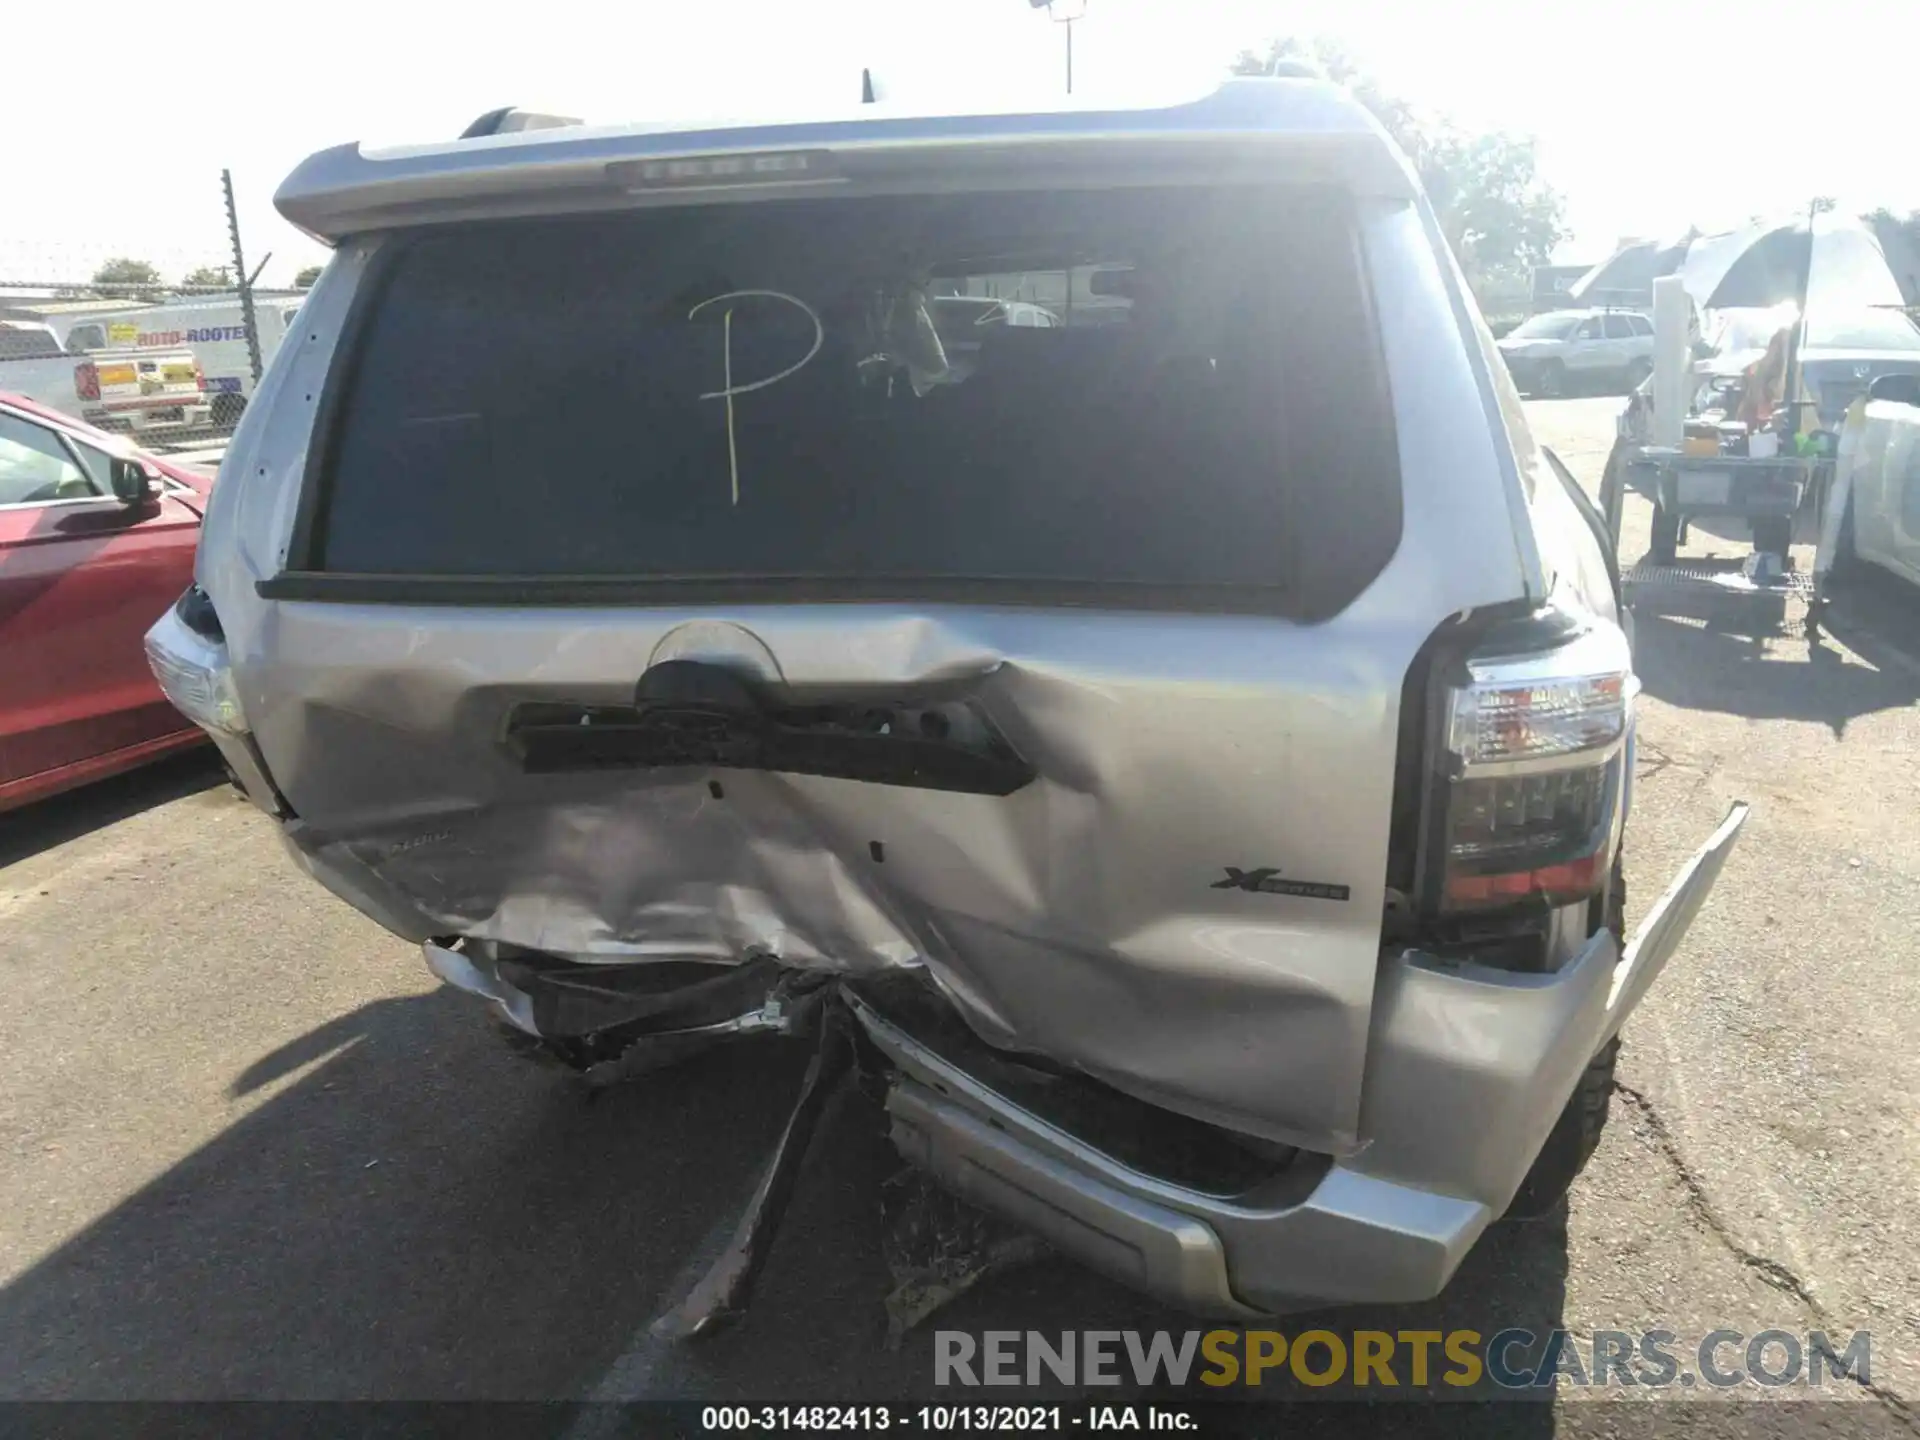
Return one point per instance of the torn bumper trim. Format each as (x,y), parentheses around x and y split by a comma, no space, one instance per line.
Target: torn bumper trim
(1148,1246)
(1667,923)
(461,973)
(648,1032)
(1354,1238)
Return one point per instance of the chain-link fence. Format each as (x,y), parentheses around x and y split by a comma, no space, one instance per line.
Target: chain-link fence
(168,354)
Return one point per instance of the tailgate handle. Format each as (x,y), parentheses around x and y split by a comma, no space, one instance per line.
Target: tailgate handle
(695,714)
(696,687)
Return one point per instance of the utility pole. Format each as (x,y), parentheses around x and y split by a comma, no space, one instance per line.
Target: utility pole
(241,279)
(1069,11)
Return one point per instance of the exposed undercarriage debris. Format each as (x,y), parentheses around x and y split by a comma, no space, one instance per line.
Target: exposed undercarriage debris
(938,1247)
(611,1023)
(721,1295)
(607,1024)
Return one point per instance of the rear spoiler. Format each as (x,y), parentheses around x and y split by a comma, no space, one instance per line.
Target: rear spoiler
(509,121)
(535,165)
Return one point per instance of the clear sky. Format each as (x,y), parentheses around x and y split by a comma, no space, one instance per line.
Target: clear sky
(1650,114)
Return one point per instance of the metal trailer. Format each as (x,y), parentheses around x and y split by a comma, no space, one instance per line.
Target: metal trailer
(1767,492)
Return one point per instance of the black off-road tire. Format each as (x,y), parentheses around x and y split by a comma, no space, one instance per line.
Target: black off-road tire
(1572,1141)
(1576,1134)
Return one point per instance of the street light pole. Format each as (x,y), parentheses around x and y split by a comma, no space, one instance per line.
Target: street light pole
(1068,12)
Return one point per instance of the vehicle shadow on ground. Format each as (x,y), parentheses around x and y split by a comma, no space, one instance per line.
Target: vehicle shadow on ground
(409,1212)
(35,828)
(1876,615)
(1725,653)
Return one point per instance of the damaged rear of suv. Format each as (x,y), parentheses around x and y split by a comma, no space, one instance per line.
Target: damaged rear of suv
(1181,744)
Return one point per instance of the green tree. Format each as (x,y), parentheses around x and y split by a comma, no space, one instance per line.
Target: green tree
(306,278)
(123,276)
(207,277)
(1497,213)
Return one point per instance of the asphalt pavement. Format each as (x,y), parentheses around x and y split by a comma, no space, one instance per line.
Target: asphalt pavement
(253,1150)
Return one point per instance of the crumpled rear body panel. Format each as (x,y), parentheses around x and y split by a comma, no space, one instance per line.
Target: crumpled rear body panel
(1080,916)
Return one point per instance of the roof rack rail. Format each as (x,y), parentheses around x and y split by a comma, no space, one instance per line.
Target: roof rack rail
(508,120)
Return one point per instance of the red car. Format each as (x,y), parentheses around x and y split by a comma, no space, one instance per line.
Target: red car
(96,541)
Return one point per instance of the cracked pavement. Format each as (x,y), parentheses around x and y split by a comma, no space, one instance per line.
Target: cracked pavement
(253,1151)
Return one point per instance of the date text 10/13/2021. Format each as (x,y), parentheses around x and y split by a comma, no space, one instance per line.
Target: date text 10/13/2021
(941,1419)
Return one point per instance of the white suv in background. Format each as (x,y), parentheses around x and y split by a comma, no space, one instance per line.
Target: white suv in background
(1563,351)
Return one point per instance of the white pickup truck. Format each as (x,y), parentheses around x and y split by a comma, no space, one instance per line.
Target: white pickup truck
(144,392)
(212,327)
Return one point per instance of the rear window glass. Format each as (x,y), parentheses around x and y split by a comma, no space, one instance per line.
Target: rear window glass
(1127,387)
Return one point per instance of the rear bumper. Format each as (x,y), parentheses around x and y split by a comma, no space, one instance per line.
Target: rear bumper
(1467,1072)
(1354,1237)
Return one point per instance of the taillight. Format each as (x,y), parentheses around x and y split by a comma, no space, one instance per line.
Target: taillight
(199,380)
(187,651)
(86,380)
(1526,807)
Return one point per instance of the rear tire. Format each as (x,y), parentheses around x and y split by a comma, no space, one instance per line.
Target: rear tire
(1576,1134)
(1637,373)
(1572,1141)
(1666,535)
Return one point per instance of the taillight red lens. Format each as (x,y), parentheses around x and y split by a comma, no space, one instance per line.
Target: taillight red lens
(86,381)
(1533,775)
(1559,884)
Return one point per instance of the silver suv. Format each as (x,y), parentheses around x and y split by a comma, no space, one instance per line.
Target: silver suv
(1564,351)
(1181,754)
